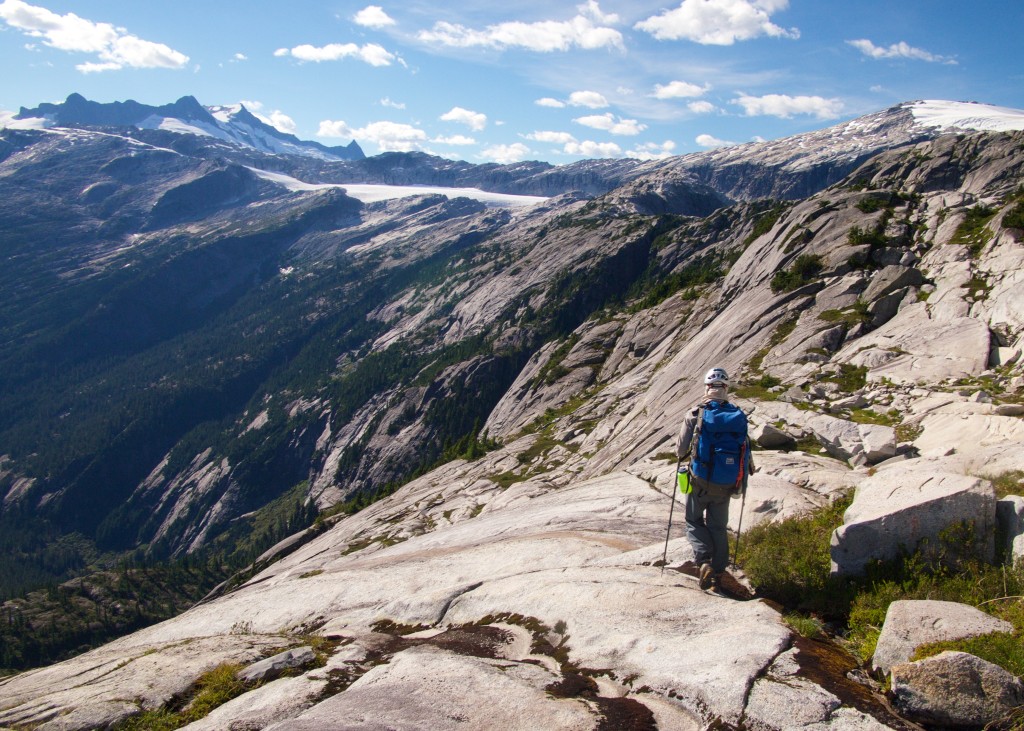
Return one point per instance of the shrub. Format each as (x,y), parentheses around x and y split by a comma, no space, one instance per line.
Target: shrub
(764,222)
(804,269)
(782,331)
(212,689)
(850,378)
(856,314)
(1014,218)
(789,561)
(1007,483)
(972,231)
(1004,649)
(875,202)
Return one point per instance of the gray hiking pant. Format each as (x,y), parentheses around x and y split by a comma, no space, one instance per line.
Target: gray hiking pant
(707,520)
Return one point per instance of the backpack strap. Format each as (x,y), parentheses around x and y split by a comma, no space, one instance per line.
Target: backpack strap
(743,466)
(695,437)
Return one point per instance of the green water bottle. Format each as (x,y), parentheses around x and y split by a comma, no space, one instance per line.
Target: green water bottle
(683,478)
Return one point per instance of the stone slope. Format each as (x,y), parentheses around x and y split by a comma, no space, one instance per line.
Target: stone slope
(570,566)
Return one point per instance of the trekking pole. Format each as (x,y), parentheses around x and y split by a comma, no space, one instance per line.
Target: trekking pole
(739,528)
(743,502)
(668,532)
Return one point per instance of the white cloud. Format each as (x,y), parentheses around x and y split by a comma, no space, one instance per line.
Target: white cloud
(558,138)
(388,136)
(589,148)
(474,120)
(608,123)
(592,10)
(899,50)
(702,107)
(373,16)
(590,99)
(454,140)
(240,57)
(653,151)
(386,102)
(679,90)
(708,141)
(276,118)
(370,53)
(94,68)
(506,154)
(281,121)
(782,105)
(544,36)
(549,102)
(718,22)
(114,47)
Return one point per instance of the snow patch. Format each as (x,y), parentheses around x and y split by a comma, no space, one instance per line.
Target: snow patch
(8,120)
(172,124)
(372,193)
(946,115)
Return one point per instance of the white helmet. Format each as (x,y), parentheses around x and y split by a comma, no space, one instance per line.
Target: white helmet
(716,376)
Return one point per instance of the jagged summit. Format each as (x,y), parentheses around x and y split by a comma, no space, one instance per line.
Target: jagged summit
(234,124)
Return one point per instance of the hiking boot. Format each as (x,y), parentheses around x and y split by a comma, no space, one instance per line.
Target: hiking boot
(715,585)
(706,576)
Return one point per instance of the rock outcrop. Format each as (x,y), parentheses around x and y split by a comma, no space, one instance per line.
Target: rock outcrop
(956,689)
(912,623)
(904,508)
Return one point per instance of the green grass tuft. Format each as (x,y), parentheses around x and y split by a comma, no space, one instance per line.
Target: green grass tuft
(804,269)
(211,690)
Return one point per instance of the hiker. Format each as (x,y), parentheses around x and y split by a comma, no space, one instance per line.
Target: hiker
(714,438)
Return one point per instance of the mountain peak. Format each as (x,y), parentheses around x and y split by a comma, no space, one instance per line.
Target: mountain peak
(233,124)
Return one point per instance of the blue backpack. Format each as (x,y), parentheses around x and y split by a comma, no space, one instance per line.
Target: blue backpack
(720,444)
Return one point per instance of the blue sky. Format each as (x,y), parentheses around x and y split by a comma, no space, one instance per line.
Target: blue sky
(520,79)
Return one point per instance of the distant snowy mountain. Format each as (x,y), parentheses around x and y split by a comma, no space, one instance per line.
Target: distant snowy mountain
(787,168)
(793,167)
(232,124)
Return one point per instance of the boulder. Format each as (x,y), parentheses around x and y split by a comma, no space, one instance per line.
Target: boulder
(1010,409)
(890,279)
(877,441)
(1010,516)
(841,294)
(841,438)
(273,667)
(955,689)
(885,308)
(770,437)
(912,623)
(903,509)
(848,402)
